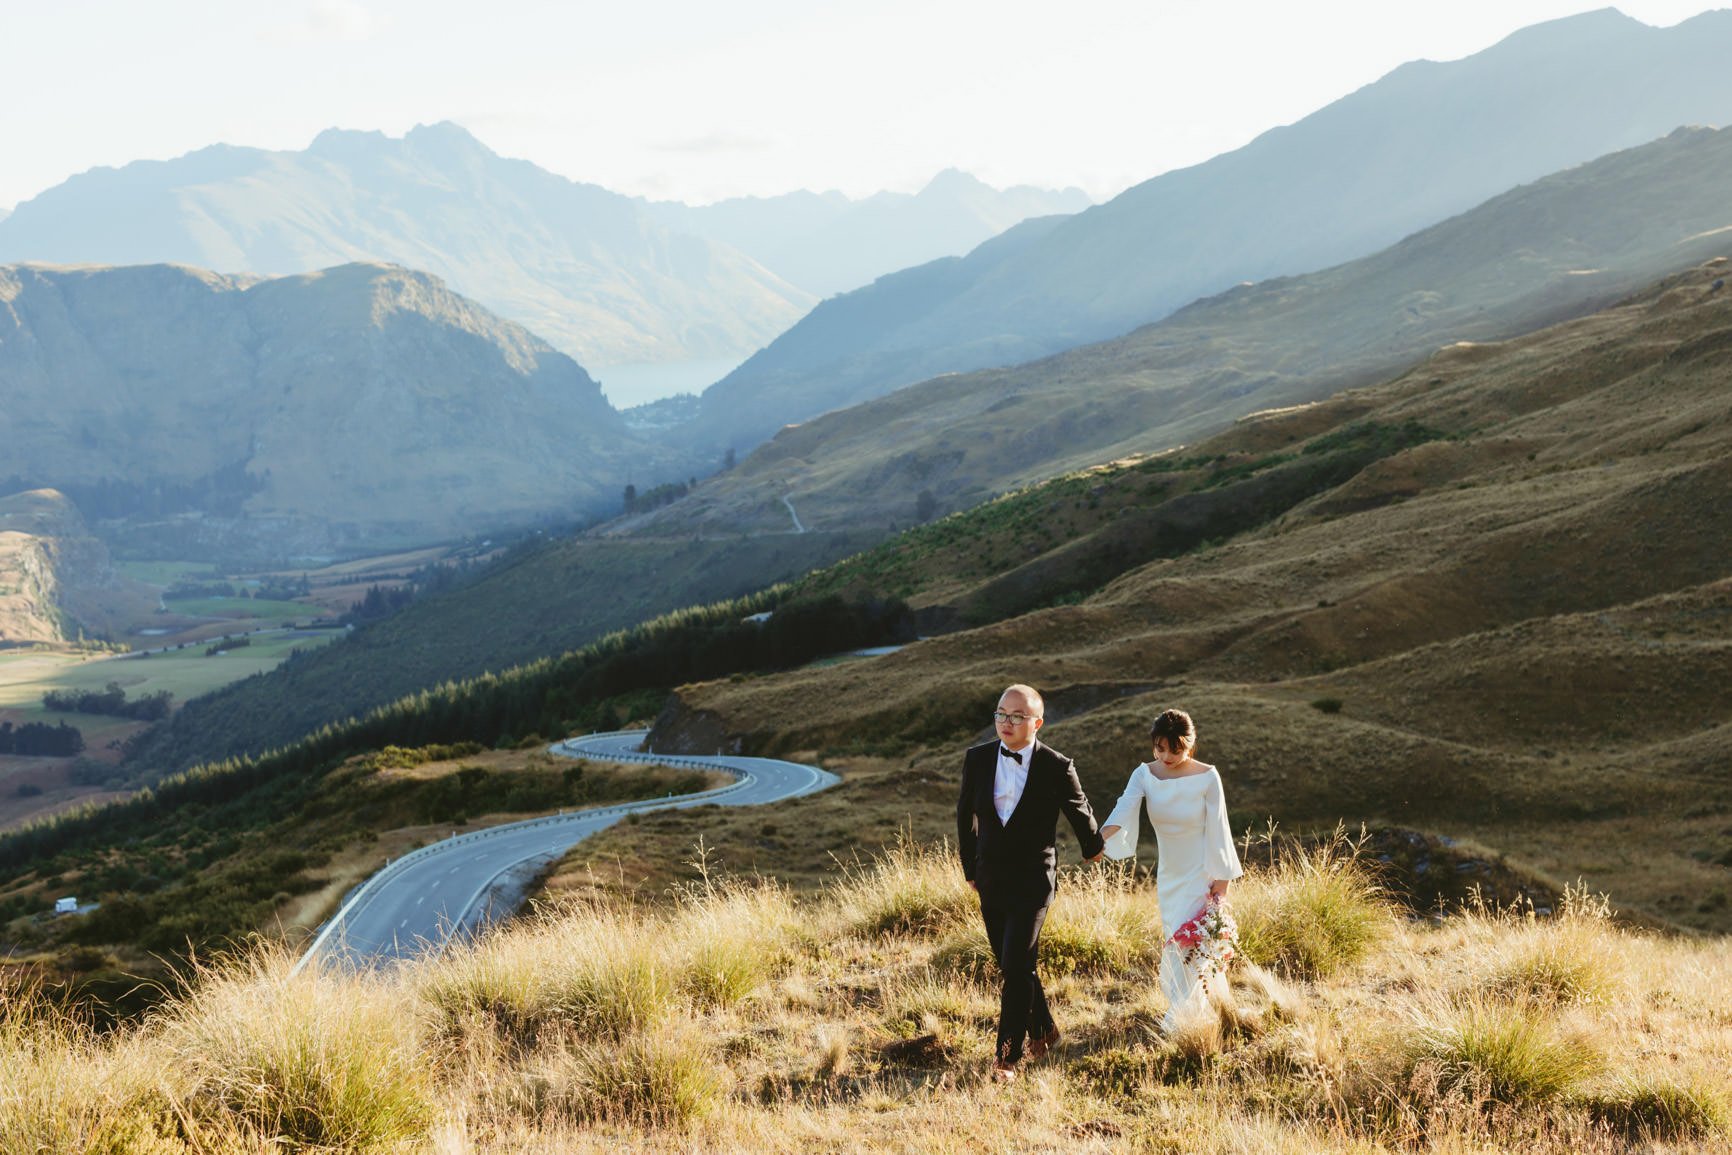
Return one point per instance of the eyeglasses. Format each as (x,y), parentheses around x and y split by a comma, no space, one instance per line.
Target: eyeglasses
(1014,719)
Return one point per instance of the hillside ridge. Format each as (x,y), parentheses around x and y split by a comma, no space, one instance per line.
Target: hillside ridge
(1423,143)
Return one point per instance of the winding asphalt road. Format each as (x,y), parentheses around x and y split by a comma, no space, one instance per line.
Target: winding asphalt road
(461,885)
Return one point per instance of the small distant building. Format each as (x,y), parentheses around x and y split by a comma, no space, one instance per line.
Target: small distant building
(66,906)
(758,619)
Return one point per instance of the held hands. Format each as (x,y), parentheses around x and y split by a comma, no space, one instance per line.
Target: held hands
(1105,833)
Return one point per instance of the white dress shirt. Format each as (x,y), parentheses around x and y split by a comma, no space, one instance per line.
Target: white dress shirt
(1008,781)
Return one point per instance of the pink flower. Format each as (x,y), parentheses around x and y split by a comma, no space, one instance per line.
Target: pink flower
(1209,940)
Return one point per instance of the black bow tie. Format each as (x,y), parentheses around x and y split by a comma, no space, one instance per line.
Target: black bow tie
(1013,755)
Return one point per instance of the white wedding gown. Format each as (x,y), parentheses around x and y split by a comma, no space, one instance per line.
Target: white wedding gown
(1189,814)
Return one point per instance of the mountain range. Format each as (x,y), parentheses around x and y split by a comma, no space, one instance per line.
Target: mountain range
(607,278)
(588,270)
(358,407)
(827,243)
(1426,141)
(1558,247)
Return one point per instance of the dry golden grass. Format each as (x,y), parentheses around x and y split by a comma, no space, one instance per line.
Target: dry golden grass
(743,1017)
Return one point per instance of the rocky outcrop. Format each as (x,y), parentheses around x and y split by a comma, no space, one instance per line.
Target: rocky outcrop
(679,729)
(45,553)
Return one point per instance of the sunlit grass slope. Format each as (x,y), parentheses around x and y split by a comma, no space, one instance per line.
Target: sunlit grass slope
(860,1018)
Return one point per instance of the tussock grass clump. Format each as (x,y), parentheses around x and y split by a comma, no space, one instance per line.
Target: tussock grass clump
(667,1076)
(63,1090)
(966,953)
(316,1059)
(911,888)
(1576,957)
(927,1002)
(1313,911)
(730,938)
(1649,1107)
(592,968)
(1499,1051)
(1103,923)
(604,970)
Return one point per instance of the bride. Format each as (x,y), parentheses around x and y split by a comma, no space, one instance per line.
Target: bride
(1189,813)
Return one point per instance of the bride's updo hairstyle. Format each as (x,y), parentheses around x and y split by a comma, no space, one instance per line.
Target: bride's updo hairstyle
(1177,728)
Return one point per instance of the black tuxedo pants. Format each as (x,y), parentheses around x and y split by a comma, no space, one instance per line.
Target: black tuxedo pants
(1013,929)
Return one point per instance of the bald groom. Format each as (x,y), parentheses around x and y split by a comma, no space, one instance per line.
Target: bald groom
(1013,789)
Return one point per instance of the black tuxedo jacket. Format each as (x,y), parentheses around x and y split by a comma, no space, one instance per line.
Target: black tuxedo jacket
(1014,861)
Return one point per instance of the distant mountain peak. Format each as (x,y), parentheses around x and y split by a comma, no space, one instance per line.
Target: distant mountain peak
(446,134)
(1579,27)
(443,136)
(343,141)
(955,180)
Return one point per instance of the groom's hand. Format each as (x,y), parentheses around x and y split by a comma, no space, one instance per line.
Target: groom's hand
(1096,856)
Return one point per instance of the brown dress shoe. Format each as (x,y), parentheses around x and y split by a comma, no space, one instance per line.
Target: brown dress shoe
(1037,1048)
(1003,1072)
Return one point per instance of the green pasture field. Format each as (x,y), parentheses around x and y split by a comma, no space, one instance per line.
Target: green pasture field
(187,673)
(166,573)
(241,608)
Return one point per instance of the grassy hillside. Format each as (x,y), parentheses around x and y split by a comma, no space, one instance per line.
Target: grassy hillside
(860,1018)
(194,860)
(1512,624)
(1560,247)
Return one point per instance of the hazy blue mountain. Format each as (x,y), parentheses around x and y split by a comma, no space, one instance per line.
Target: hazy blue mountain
(365,404)
(1424,142)
(1546,251)
(589,270)
(827,243)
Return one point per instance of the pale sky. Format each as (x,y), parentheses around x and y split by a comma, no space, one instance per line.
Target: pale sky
(697,100)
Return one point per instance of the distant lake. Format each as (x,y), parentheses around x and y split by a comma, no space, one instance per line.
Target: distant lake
(628,385)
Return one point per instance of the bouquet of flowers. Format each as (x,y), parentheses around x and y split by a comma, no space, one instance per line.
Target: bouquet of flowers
(1208,942)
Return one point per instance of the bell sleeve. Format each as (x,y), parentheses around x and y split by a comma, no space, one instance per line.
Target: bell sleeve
(1220,858)
(1128,817)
